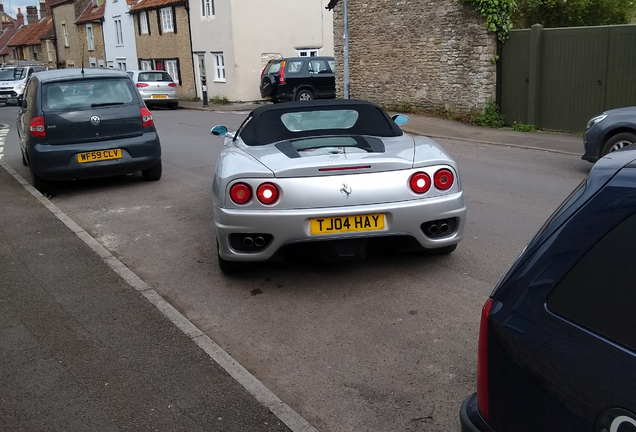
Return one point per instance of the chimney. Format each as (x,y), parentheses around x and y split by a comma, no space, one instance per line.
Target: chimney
(43,8)
(19,18)
(32,14)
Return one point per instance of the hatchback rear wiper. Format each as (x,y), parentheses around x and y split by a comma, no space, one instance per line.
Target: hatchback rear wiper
(93,105)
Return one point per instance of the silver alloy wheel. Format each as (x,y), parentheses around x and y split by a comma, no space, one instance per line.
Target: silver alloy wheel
(305,96)
(620,144)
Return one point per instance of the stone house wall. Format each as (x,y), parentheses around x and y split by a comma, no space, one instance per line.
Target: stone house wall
(168,46)
(98,43)
(422,54)
(71,55)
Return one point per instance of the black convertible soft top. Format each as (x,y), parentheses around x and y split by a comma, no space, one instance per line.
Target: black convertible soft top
(264,125)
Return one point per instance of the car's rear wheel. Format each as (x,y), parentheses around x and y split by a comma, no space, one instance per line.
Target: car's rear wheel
(619,141)
(45,187)
(152,174)
(304,95)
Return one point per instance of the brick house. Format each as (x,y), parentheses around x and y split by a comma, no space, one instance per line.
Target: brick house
(435,56)
(91,36)
(8,29)
(32,42)
(163,41)
(68,42)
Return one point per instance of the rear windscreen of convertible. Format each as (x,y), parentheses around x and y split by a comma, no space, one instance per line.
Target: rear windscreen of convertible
(293,121)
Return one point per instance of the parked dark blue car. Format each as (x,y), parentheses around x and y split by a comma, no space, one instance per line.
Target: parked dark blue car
(557,341)
(608,132)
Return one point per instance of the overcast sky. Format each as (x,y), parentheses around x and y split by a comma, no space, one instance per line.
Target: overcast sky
(11,6)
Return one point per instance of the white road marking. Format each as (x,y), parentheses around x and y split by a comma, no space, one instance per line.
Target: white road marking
(257,389)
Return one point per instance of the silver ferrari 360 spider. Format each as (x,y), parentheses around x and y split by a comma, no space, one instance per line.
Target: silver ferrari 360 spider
(331,178)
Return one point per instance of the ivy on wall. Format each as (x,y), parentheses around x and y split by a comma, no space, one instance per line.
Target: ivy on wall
(497,13)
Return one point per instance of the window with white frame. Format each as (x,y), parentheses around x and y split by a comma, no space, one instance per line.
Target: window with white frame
(118,31)
(92,61)
(308,53)
(121,65)
(146,65)
(100,63)
(35,53)
(172,67)
(89,37)
(219,67)
(65,33)
(49,50)
(143,22)
(207,8)
(167,21)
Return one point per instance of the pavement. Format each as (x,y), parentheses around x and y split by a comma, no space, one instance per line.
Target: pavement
(87,345)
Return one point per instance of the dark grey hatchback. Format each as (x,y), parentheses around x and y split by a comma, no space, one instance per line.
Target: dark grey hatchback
(80,124)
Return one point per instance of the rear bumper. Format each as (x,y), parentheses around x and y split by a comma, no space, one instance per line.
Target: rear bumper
(59,162)
(288,227)
(470,418)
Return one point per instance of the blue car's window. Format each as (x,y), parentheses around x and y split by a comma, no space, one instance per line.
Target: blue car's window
(319,120)
(598,292)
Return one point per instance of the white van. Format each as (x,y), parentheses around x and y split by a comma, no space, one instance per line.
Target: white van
(13,79)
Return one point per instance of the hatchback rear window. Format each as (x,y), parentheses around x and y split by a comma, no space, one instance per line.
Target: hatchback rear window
(83,94)
(155,76)
(272,68)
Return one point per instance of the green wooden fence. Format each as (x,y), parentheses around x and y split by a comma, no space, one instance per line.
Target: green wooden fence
(560,78)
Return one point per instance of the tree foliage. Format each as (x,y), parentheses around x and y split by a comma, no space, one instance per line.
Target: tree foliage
(573,13)
(497,13)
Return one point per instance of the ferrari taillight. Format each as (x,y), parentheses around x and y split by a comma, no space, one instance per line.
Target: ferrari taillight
(420,182)
(443,179)
(483,399)
(267,193)
(240,193)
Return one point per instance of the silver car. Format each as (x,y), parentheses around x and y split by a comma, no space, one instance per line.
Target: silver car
(156,88)
(334,179)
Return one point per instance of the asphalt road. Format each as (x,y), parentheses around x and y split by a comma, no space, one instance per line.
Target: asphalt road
(384,344)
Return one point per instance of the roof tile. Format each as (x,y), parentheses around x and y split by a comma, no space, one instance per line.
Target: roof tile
(91,13)
(154,4)
(5,37)
(32,33)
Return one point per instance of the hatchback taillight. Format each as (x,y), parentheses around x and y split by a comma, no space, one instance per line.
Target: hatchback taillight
(240,193)
(420,182)
(36,127)
(483,401)
(172,85)
(146,117)
(141,85)
(282,72)
(267,193)
(443,179)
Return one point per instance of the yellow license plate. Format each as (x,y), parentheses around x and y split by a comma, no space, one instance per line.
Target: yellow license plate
(160,96)
(344,224)
(99,155)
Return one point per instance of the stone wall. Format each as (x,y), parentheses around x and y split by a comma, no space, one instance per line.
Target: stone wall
(424,54)
(157,46)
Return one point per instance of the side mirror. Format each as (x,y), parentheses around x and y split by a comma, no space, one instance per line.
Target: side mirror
(220,130)
(13,102)
(400,119)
